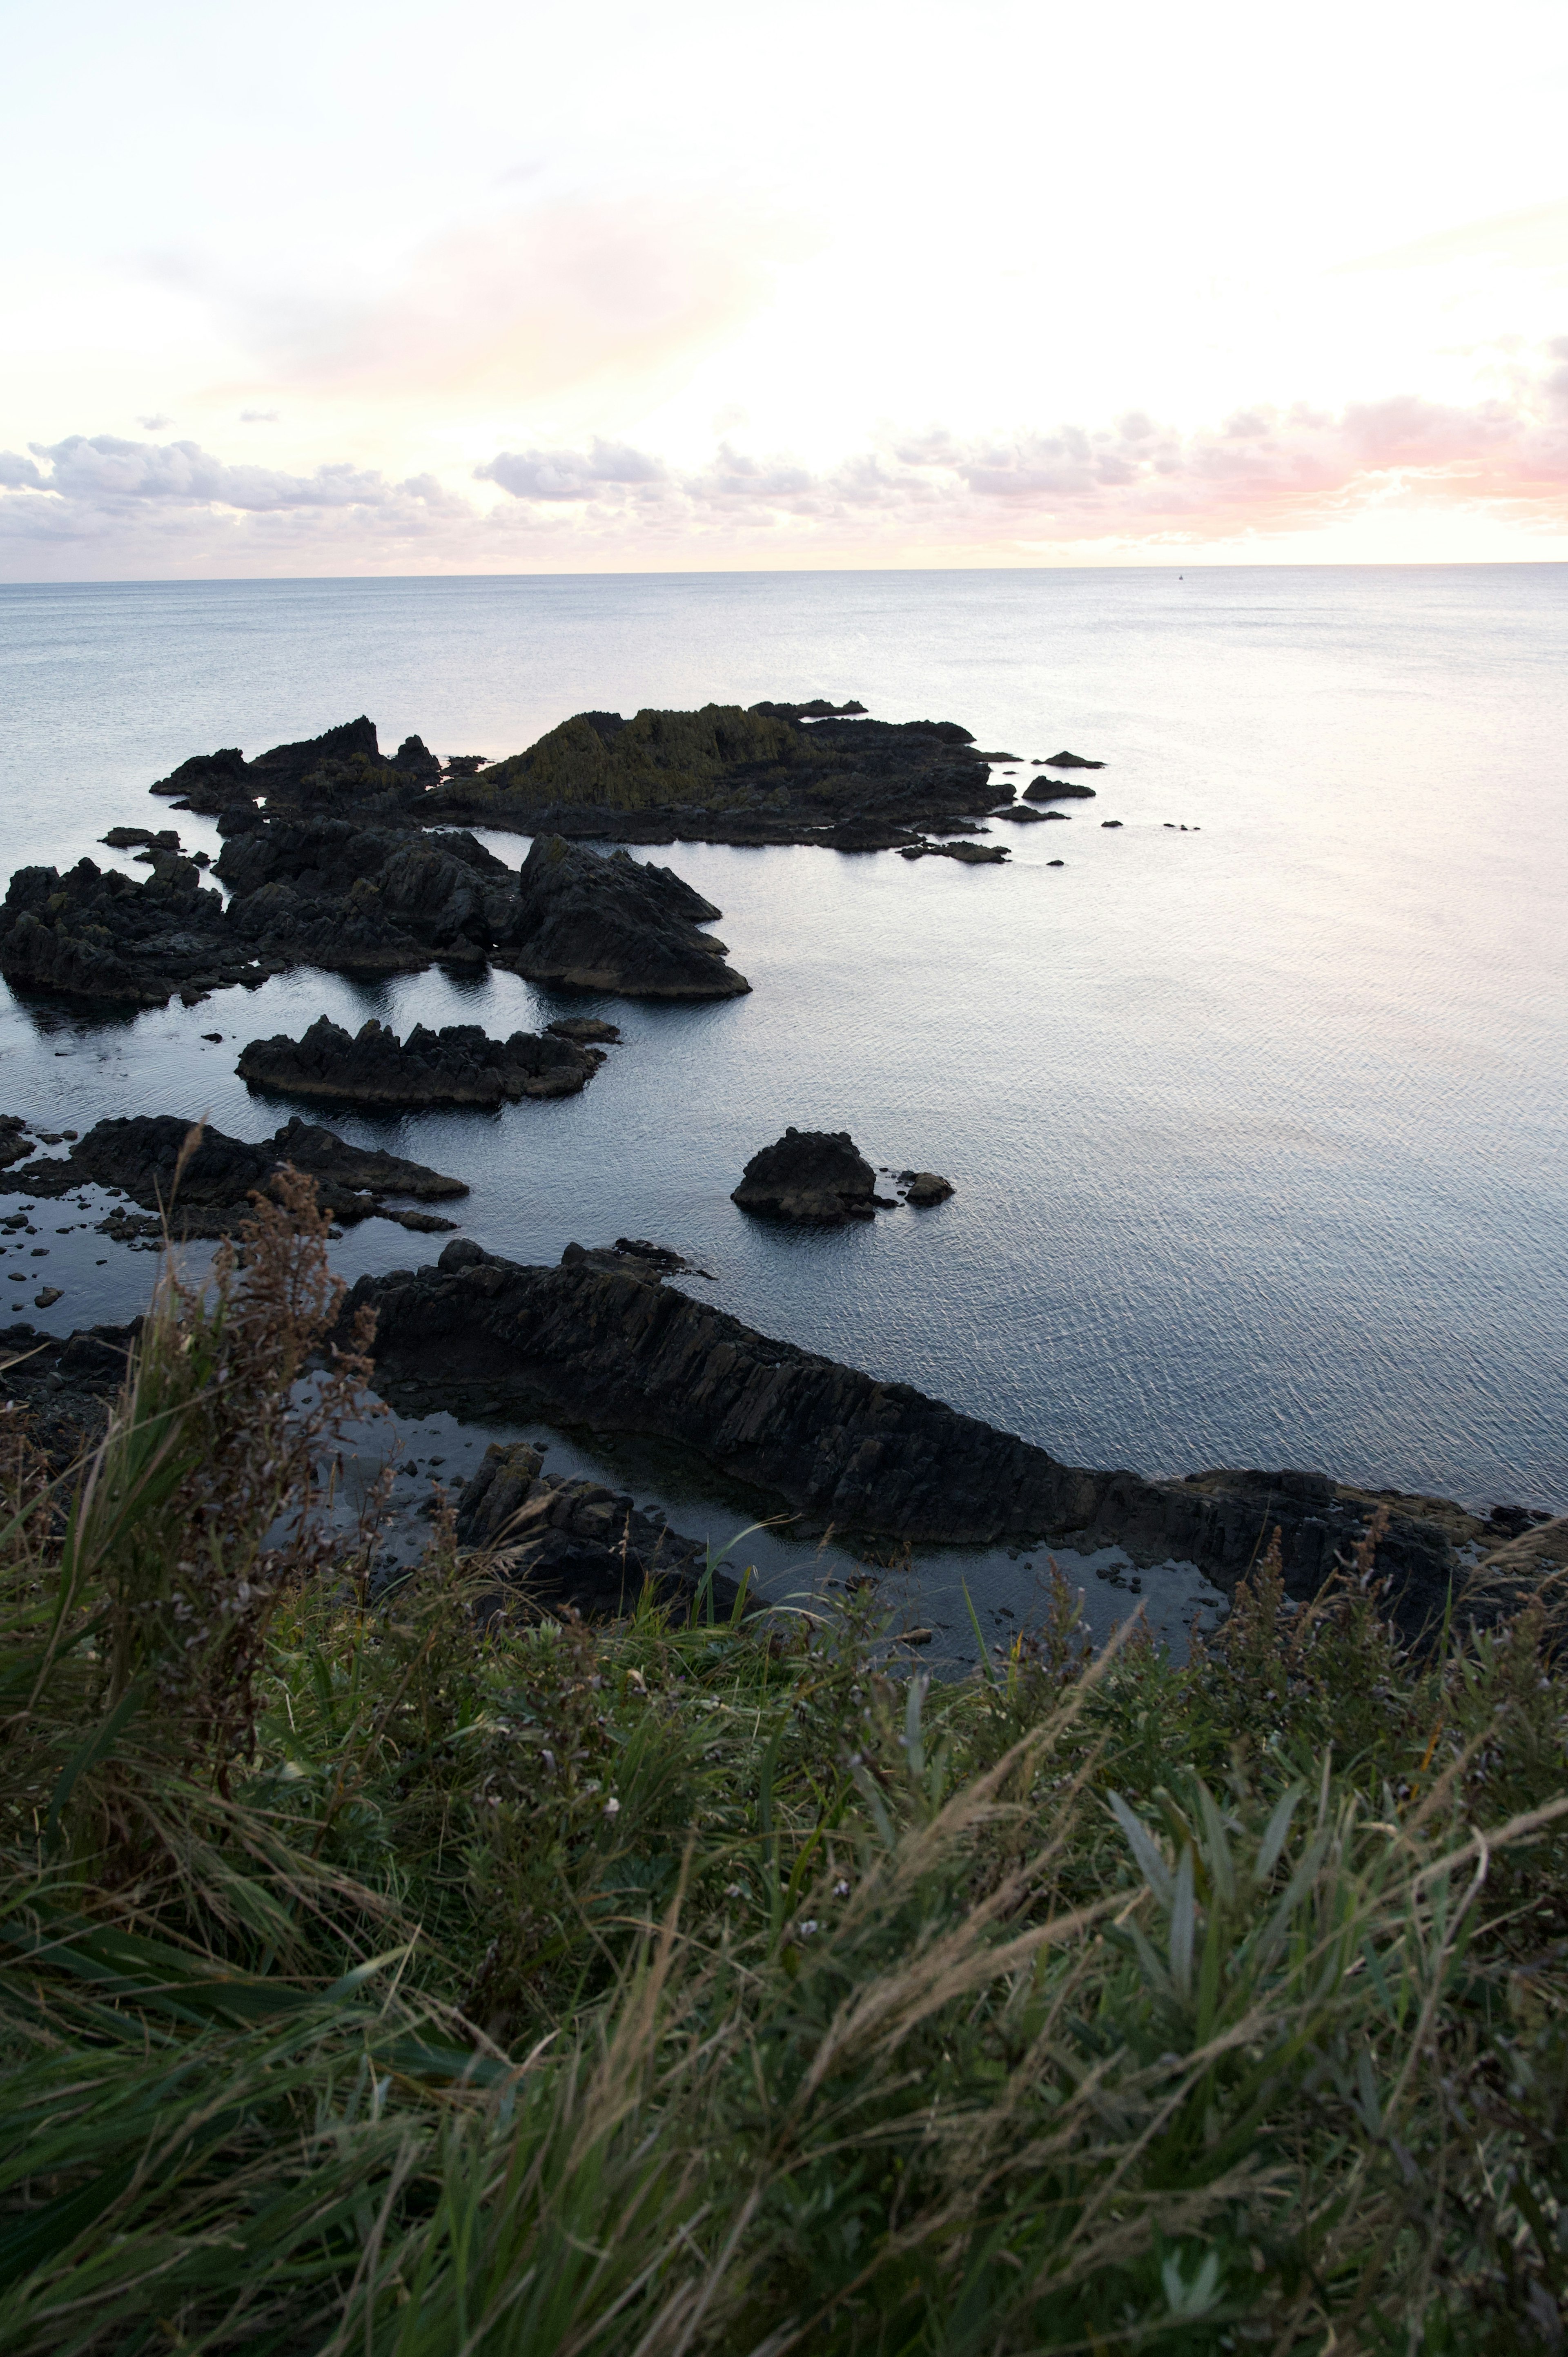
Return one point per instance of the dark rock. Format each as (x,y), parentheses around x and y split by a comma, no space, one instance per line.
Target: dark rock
(1055,863)
(1058,789)
(140,1154)
(583,1029)
(465,765)
(1070,761)
(207,782)
(282,774)
(16,1138)
(586,923)
(809,1175)
(216,1037)
(777,773)
(91,934)
(125,838)
(416,758)
(1110,822)
(64,1386)
(923,1186)
(1022,815)
(459,1065)
(618,1349)
(573,1543)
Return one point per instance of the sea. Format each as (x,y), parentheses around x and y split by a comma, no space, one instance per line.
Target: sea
(1254,1103)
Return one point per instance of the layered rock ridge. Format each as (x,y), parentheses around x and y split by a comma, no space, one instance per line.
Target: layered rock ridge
(609,1344)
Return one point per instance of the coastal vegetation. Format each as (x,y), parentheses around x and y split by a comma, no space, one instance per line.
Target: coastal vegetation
(385,1968)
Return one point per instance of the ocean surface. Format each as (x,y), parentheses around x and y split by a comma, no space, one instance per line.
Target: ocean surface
(1258,1130)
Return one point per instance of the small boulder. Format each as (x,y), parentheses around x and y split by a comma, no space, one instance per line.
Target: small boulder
(1058,789)
(809,1175)
(1069,761)
(923,1186)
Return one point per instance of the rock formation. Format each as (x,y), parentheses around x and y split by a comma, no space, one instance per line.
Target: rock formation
(560,1542)
(808,772)
(924,1187)
(95,934)
(459,1065)
(1058,789)
(1069,761)
(583,921)
(139,1156)
(616,1348)
(809,1175)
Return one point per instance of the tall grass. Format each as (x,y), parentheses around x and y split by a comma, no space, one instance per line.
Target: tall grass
(387,1976)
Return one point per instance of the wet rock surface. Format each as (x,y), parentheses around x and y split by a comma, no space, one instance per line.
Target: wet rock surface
(457,1065)
(619,1349)
(140,1153)
(809,1174)
(63,1387)
(575,1543)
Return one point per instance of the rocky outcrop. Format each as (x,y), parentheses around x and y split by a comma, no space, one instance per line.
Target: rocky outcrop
(1058,789)
(207,782)
(583,922)
(924,1187)
(457,1066)
(1069,761)
(617,1348)
(140,1156)
(559,1541)
(128,838)
(101,935)
(343,769)
(809,1175)
(64,1386)
(806,773)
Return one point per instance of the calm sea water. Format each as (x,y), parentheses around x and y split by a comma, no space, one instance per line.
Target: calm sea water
(1258,1130)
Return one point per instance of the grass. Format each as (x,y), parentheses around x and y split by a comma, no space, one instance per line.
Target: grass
(379,1975)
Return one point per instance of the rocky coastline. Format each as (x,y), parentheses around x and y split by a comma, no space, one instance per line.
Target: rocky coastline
(604,1341)
(140,1156)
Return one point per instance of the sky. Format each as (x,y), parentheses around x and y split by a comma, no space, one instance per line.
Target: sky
(339,289)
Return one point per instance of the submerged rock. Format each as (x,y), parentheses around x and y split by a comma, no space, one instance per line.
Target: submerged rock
(809,1175)
(140,1154)
(1069,761)
(583,1028)
(455,1066)
(618,1349)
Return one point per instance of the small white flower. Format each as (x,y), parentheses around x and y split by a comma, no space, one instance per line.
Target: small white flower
(612,1807)
(808,1927)
(840,1891)
(734,1890)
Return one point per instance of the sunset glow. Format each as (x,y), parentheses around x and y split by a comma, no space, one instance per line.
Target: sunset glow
(532,290)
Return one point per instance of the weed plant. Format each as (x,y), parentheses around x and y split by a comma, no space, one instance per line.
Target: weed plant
(385,1973)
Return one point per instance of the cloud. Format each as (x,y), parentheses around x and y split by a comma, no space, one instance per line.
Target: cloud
(259,417)
(1135,484)
(564,475)
(157,424)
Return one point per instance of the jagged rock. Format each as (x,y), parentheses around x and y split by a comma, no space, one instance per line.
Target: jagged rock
(1110,822)
(583,1028)
(459,1065)
(207,782)
(329,892)
(92,934)
(416,758)
(617,1349)
(65,1384)
(1058,789)
(812,1175)
(127,839)
(1069,761)
(806,773)
(923,1186)
(139,1155)
(1022,815)
(16,1138)
(573,1543)
(587,922)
